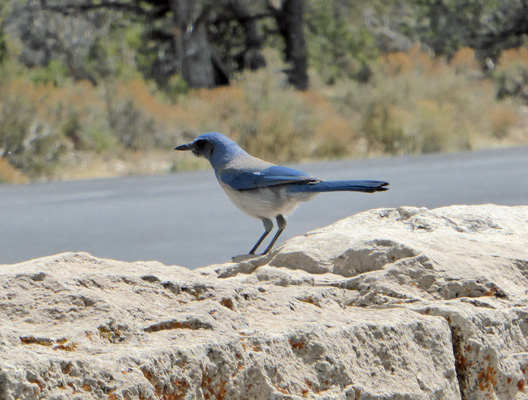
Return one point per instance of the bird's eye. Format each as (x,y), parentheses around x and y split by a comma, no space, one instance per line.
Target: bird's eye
(199,144)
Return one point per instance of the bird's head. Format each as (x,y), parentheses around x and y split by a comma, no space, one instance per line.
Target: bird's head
(213,146)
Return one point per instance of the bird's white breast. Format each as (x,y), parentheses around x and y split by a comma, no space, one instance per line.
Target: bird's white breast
(267,202)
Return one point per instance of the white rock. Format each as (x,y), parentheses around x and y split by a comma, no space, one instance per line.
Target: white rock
(389,304)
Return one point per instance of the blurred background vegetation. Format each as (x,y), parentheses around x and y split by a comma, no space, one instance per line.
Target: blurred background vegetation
(92,88)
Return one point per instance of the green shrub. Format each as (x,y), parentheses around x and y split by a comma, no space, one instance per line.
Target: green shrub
(29,144)
(55,73)
(383,132)
(511,74)
(339,47)
(411,104)
(418,104)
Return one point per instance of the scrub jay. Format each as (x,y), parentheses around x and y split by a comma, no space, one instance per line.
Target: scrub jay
(261,189)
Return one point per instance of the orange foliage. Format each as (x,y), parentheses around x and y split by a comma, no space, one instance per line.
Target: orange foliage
(423,99)
(518,55)
(464,57)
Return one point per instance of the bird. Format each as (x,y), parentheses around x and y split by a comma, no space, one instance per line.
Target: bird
(264,190)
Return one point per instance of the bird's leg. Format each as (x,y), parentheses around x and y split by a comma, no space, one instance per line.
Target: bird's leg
(268,226)
(281,223)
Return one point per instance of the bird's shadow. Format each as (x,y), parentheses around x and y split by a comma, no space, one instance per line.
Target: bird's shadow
(245,257)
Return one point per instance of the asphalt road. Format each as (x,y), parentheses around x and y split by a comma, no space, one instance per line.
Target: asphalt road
(186,219)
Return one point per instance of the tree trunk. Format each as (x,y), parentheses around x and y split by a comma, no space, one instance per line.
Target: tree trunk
(251,57)
(290,21)
(192,45)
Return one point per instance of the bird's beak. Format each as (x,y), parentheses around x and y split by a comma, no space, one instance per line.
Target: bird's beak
(187,146)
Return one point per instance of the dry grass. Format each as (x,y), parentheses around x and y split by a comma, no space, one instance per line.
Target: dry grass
(9,174)
(418,104)
(413,104)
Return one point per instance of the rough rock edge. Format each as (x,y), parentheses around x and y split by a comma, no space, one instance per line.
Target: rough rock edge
(362,271)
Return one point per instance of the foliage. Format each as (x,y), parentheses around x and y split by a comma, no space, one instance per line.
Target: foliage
(413,103)
(511,74)
(417,104)
(3,43)
(3,48)
(30,144)
(364,100)
(55,73)
(45,122)
(91,46)
(9,174)
(339,48)
(488,26)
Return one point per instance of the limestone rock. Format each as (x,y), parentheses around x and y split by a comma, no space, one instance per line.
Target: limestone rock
(401,303)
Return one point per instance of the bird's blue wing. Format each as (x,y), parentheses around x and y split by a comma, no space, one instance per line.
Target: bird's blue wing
(271,176)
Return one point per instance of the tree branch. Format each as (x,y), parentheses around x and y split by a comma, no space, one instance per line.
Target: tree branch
(242,19)
(135,8)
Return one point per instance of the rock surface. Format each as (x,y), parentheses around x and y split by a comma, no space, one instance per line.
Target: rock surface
(401,303)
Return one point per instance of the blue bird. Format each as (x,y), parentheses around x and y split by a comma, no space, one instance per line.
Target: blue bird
(261,189)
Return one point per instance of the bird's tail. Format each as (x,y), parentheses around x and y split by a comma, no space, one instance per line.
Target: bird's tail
(338,186)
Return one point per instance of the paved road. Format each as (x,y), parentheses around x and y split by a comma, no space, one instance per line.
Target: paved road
(186,219)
